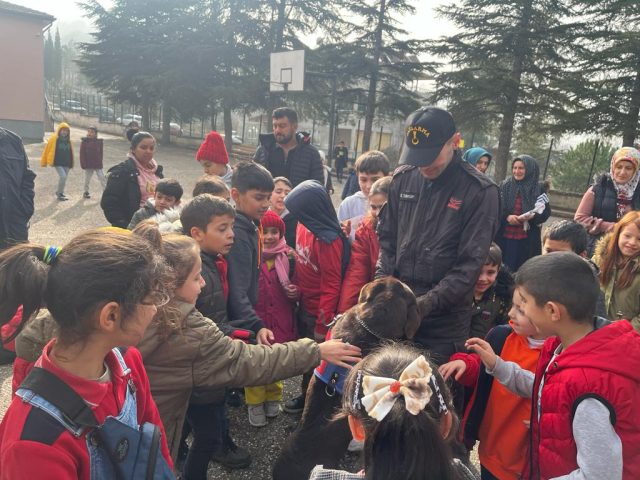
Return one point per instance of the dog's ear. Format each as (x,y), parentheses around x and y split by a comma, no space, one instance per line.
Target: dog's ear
(413,321)
(372,289)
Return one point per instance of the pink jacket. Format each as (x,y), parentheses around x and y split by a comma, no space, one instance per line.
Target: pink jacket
(273,306)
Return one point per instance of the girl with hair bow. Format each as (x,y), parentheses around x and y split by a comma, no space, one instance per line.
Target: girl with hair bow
(399,405)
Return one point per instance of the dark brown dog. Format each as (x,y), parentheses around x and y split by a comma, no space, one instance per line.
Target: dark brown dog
(387,310)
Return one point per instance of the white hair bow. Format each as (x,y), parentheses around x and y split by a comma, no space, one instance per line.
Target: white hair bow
(416,384)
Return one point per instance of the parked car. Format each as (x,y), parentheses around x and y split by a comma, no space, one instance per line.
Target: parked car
(128,118)
(104,114)
(234,138)
(176,129)
(73,106)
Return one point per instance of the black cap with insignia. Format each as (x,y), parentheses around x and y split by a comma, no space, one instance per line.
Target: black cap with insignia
(426,132)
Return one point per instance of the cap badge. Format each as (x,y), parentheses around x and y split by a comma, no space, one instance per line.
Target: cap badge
(414,131)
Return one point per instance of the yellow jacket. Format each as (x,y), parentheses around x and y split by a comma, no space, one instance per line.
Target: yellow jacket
(49,153)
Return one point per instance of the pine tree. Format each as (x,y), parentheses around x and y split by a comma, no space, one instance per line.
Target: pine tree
(57,58)
(383,59)
(607,72)
(508,63)
(48,57)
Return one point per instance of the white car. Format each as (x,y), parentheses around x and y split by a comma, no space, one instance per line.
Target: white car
(128,118)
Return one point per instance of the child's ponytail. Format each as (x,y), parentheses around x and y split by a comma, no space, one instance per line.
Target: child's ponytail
(23,280)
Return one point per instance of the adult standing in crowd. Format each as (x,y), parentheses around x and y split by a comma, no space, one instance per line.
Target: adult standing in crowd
(611,196)
(287,152)
(16,190)
(519,236)
(132,128)
(436,228)
(479,158)
(132,182)
(341,155)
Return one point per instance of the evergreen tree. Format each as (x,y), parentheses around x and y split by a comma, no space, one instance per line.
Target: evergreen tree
(570,172)
(48,57)
(383,59)
(57,58)
(607,73)
(507,63)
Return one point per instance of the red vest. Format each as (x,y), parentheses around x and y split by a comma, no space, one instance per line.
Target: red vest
(606,365)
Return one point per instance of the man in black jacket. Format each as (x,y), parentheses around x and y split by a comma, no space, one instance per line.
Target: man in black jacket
(436,229)
(16,190)
(288,153)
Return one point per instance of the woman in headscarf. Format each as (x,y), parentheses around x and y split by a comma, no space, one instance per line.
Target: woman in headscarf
(519,235)
(479,158)
(322,256)
(132,182)
(611,196)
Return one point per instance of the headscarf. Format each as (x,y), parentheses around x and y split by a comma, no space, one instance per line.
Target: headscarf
(311,205)
(528,188)
(625,191)
(474,154)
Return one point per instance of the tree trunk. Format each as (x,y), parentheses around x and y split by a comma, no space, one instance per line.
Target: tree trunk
(146,114)
(512,94)
(373,80)
(631,125)
(228,128)
(166,124)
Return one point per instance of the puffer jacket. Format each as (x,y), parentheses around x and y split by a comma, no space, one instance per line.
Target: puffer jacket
(302,162)
(121,199)
(144,213)
(602,365)
(49,153)
(16,190)
(91,153)
(196,355)
(362,264)
(434,236)
(620,303)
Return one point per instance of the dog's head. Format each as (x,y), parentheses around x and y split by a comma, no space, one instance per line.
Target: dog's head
(389,308)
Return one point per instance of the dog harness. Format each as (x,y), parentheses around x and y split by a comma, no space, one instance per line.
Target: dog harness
(331,375)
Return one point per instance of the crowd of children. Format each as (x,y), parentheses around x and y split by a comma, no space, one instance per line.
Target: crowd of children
(237,288)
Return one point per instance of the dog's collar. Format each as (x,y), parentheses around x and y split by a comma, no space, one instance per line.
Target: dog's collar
(368,328)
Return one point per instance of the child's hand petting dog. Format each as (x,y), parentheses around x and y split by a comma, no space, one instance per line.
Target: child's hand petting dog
(337,352)
(484,351)
(455,368)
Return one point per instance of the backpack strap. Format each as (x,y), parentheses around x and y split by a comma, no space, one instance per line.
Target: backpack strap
(62,396)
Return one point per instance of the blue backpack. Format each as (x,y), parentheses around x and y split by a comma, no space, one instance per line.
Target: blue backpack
(118,448)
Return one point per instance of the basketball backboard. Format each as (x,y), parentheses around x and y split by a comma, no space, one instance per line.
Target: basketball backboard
(287,71)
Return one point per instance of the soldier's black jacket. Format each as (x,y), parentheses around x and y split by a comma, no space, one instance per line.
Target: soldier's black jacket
(435,236)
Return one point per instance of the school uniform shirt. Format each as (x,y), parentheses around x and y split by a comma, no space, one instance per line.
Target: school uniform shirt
(58,454)
(318,276)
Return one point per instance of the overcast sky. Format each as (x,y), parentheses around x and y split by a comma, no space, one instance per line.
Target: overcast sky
(423,24)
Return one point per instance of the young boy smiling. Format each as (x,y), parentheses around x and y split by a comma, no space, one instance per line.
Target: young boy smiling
(585,421)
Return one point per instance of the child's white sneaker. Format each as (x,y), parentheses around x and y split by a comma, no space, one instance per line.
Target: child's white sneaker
(257,417)
(272,409)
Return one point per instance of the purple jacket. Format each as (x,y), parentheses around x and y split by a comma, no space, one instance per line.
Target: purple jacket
(273,306)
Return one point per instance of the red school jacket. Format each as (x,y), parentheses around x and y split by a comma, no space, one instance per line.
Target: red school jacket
(362,265)
(65,457)
(318,276)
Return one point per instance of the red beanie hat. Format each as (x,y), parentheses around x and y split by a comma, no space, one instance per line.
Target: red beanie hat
(212,149)
(272,219)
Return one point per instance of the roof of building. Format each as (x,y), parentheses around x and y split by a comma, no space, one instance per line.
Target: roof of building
(13,9)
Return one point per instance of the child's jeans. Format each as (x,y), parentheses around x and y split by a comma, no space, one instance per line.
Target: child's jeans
(209,428)
(63,172)
(265,393)
(88,173)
